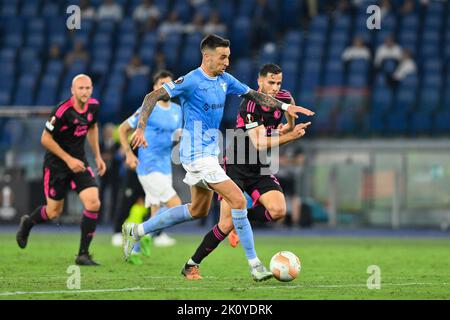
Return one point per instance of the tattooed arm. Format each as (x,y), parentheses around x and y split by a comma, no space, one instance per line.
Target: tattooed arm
(148,105)
(263,99)
(267,101)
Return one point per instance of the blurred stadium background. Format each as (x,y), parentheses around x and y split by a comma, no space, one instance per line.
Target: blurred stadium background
(377,154)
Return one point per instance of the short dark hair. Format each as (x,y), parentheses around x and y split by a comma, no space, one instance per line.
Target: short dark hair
(269,68)
(162,74)
(213,41)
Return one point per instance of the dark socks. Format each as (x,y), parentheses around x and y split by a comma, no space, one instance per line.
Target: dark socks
(259,214)
(211,240)
(38,216)
(88,224)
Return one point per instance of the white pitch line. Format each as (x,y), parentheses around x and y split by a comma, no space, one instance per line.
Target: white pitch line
(105,277)
(127,289)
(209,288)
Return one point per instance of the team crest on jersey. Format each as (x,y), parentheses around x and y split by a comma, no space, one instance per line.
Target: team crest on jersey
(179,80)
(277,114)
(224,86)
(249,118)
(90,117)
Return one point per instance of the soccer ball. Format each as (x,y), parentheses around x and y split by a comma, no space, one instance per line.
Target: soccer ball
(285,266)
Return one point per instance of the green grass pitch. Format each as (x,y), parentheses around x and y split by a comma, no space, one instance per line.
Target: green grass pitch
(332,268)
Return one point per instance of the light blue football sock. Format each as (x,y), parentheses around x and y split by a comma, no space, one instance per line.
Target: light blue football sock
(170,217)
(244,231)
(161,210)
(136,247)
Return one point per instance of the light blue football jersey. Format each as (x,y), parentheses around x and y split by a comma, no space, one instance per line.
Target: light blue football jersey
(202,100)
(159,130)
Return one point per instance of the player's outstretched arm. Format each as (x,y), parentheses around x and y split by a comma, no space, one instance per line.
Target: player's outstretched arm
(148,105)
(262,142)
(267,101)
(124,129)
(130,159)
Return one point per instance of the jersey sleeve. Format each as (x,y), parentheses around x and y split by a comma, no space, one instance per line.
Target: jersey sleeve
(284,96)
(55,122)
(181,86)
(180,118)
(250,114)
(133,120)
(234,86)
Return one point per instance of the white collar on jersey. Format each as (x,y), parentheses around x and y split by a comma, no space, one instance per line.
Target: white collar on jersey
(206,76)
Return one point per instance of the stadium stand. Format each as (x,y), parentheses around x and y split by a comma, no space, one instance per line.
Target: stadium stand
(309,48)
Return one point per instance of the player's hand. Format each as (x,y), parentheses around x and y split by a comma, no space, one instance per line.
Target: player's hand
(101,166)
(138,139)
(284,128)
(76,165)
(299,130)
(131,160)
(293,110)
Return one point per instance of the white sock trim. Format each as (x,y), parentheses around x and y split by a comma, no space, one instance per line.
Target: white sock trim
(187,212)
(192,262)
(140,230)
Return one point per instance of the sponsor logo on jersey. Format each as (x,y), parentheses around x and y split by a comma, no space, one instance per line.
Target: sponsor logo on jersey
(213,106)
(80,131)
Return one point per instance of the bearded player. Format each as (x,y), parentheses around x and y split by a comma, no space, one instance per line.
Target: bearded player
(202,95)
(256,125)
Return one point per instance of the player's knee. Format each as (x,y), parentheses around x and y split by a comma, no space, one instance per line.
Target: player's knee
(277,211)
(92,205)
(238,202)
(53,212)
(197,212)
